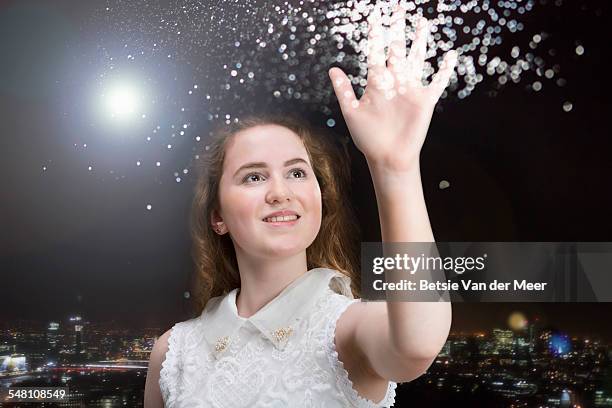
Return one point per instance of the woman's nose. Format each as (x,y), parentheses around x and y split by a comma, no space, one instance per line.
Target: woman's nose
(278,190)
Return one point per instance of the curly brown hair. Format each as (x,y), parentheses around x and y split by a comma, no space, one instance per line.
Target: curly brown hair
(336,244)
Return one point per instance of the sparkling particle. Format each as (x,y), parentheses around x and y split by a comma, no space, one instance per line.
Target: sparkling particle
(138,163)
(186,294)
(149,206)
(579,50)
(297,35)
(178,179)
(89,168)
(444,184)
(537,85)
(158,164)
(567,106)
(331,122)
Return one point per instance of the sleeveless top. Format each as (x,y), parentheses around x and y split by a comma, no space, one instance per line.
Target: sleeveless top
(282,356)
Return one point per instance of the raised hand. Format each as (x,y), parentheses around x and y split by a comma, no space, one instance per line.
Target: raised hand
(390,121)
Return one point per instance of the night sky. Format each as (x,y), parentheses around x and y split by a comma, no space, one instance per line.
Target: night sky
(524,162)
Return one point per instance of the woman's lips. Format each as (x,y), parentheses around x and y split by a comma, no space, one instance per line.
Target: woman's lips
(282,223)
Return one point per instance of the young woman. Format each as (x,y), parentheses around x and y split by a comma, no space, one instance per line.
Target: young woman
(279,323)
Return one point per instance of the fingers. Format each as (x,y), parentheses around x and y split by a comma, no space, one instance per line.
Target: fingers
(440,79)
(397,47)
(376,45)
(343,90)
(416,56)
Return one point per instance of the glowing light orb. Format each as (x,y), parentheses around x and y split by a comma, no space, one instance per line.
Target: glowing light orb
(122,101)
(517,321)
(559,344)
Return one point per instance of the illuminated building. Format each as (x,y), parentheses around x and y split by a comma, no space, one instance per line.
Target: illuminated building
(503,340)
(602,400)
(53,339)
(78,346)
(12,364)
(445,352)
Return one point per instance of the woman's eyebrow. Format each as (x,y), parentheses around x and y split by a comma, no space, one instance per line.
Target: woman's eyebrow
(259,165)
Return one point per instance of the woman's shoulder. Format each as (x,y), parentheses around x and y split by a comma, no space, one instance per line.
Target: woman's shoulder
(339,292)
(174,335)
(330,306)
(169,340)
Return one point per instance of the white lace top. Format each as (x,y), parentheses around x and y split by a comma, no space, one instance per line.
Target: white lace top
(282,356)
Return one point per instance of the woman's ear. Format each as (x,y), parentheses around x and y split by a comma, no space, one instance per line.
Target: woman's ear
(216,222)
(215,218)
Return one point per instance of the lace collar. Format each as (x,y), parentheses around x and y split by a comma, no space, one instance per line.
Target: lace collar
(275,320)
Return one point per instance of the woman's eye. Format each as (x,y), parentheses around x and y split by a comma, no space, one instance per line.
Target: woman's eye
(299,170)
(296,170)
(250,175)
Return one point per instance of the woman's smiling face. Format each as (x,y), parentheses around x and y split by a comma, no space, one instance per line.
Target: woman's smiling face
(283,180)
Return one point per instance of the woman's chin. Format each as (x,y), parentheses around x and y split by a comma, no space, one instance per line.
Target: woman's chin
(284,249)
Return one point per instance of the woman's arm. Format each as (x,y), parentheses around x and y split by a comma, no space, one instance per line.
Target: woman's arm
(152,394)
(389,125)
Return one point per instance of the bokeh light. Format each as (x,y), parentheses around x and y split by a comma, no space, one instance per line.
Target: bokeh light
(517,321)
(122,101)
(559,344)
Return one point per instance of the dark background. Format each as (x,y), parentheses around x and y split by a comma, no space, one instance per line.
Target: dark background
(75,241)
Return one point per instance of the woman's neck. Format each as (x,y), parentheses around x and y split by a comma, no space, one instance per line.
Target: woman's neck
(263,280)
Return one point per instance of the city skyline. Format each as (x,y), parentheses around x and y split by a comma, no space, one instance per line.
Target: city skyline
(520,368)
(567,318)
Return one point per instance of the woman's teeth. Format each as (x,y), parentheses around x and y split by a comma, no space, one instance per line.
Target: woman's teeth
(281,219)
